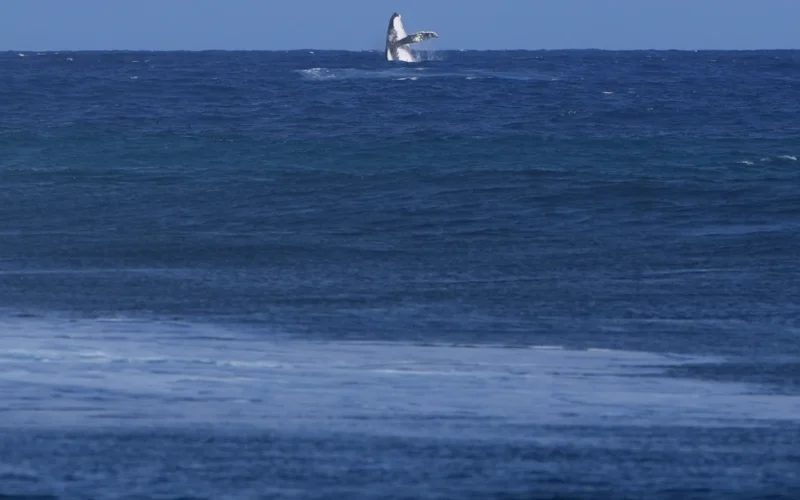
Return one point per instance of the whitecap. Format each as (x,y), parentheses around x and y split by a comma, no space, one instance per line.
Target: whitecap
(317,74)
(778,158)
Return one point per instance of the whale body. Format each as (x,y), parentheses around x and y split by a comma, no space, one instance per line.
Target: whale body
(398,41)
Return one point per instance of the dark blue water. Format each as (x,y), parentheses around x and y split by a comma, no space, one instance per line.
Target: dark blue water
(642,202)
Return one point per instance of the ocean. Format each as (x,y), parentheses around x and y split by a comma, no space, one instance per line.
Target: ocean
(317,274)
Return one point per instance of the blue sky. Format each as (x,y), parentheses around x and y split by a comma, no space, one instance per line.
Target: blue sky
(360,24)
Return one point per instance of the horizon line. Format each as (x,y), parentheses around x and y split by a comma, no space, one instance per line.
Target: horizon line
(594,49)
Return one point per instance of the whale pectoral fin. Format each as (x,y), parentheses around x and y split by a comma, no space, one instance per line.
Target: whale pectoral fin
(417,37)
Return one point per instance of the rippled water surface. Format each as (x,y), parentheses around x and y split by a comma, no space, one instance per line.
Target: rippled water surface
(321,275)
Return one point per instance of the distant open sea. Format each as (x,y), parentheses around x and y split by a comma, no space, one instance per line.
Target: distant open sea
(317,274)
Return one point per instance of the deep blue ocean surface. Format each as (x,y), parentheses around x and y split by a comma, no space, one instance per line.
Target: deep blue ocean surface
(317,274)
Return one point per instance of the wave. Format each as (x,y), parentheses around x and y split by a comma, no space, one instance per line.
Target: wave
(770,159)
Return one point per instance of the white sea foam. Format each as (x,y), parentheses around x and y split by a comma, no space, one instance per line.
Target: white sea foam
(410,73)
(129,373)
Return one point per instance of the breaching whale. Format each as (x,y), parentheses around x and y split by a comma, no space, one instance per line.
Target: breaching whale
(397,41)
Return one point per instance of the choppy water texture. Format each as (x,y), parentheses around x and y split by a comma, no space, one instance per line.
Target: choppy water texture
(317,274)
